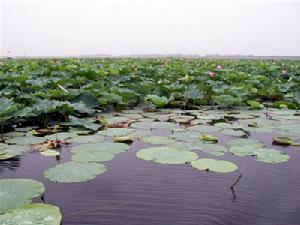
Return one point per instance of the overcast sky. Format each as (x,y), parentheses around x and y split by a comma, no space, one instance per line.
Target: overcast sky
(118,27)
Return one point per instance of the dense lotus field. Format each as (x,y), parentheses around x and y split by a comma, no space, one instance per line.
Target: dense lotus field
(99,107)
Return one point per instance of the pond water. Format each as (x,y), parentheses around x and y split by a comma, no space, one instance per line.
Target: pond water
(134,191)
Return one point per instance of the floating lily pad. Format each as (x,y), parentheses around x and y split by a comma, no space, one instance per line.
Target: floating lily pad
(82,139)
(92,156)
(50,153)
(157,140)
(219,166)
(34,214)
(208,138)
(116,132)
(228,126)
(4,155)
(204,128)
(213,149)
(16,149)
(244,142)
(73,172)
(154,125)
(60,136)
(25,140)
(235,133)
(271,156)
(284,141)
(166,155)
(246,150)
(259,129)
(114,148)
(18,192)
(15,134)
(185,136)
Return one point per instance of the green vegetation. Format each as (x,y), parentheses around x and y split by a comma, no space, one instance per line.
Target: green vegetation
(43,90)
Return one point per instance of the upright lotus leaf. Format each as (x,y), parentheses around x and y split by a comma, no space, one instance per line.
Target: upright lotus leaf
(193,92)
(82,122)
(157,140)
(42,214)
(271,156)
(116,132)
(284,141)
(84,139)
(74,172)
(114,148)
(89,100)
(166,155)
(297,97)
(61,136)
(92,156)
(158,101)
(154,125)
(219,166)
(18,192)
(28,140)
(214,149)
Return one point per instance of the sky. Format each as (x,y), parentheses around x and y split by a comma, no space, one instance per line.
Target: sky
(141,27)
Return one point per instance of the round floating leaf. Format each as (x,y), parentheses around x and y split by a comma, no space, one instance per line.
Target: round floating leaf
(271,156)
(116,132)
(73,172)
(50,153)
(4,155)
(157,140)
(28,140)
(235,133)
(228,126)
(244,142)
(16,149)
(259,129)
(209,138)
(219,166)
(87,139)
(15,134)
(213,149)
(114,148)
(246,150)
(284,141)
(154,125)
(186,136)
(166,155)
(34,214)
(203,128)
(17,192)
(92,156)
(60,136)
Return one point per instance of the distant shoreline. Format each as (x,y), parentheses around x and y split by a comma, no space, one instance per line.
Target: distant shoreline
(237,57)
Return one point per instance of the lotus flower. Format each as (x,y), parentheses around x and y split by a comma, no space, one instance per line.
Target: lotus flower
(284,72)
(219,67)
(100,66)
(211,74)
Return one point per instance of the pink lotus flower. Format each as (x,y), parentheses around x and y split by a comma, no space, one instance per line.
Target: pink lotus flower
(211,74)
(284,72)
(219,67)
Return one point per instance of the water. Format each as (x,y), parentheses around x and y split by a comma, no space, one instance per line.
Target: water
(136,192)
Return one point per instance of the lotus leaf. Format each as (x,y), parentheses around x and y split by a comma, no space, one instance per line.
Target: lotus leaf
(116,131)
(87,139)
(18,192)
(25,140)
(50,153)
(61,136)
(214,149)
(74,172)
(157,140)
(219,166)
(209,138)
(43,214)
(154,125)
(271,156)
(92,156)
(284,141)
(114,148)
(166,155)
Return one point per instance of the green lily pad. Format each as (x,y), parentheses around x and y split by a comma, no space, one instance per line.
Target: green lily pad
(61,136)
(116,132)
(214,149)
(114,148)
(74,172)
(284,141)
(271,156)
(157,140)
(166,155)
(235,133)
(15,134)
(50,153)
(185,136)
(246,150)
(228,126)
(92,156)
(219,166)
(35,214)
(4,155)
(18,192)
(204,128)
(244,142)
(16,149)
(259,129)
(25,140)
(208,138)
(82,139)
(154,125)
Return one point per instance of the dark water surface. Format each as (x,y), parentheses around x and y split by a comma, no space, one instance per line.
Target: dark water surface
(135,192)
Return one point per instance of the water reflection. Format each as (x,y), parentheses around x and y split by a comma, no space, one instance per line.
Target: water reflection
(10,164)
